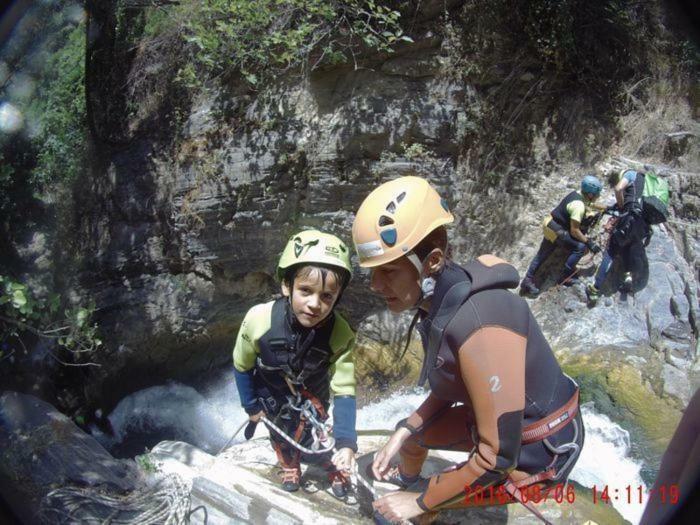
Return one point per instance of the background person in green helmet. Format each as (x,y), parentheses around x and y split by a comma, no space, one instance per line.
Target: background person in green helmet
(296,349)
(566,226)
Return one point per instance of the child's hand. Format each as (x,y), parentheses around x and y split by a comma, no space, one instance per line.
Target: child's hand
(255,418)
(344,459)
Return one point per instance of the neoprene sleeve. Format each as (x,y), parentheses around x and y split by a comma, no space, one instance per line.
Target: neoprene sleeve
(344,416)
(246,391)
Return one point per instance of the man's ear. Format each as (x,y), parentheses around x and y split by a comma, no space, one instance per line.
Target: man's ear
(435,261)
(286,291)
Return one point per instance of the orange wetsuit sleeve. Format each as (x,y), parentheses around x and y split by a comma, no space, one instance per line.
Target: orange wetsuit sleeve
(492,365)
(426,411)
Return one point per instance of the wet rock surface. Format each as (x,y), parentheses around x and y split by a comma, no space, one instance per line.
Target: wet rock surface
(242,484)
(42,449)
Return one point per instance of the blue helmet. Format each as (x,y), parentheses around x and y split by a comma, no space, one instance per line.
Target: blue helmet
(591,184)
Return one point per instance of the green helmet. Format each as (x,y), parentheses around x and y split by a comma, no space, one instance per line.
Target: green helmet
(314,247)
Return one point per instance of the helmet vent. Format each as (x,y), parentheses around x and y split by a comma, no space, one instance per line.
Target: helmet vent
(385,221)
(401,196)
(391,207)
(389,236)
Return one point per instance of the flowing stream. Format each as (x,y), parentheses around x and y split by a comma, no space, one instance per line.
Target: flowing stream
(207,419)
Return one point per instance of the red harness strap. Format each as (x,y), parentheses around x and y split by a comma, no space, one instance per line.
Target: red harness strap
(553,423)
(538,431)
(514,490)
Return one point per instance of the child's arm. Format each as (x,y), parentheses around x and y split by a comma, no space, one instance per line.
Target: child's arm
(343,387)
(244,356)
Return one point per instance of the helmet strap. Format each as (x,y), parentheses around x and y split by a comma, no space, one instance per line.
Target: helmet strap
(427,284)
(411,256)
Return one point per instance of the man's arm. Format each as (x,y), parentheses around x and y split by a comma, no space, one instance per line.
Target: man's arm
(492,364)
(620,192)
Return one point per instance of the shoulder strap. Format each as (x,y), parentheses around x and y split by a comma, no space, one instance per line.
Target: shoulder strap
(639,186)
(485,273)
(451,303)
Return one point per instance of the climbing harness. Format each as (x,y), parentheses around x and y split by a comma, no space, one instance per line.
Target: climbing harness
(540,431)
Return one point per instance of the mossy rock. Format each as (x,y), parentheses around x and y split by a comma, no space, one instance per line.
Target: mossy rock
(379,368)
(623,389)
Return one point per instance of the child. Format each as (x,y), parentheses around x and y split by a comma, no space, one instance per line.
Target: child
(297,348)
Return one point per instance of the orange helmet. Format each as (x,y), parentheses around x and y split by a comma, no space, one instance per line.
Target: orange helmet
(395,217)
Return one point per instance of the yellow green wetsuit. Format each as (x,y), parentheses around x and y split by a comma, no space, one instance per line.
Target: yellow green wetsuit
(271,344)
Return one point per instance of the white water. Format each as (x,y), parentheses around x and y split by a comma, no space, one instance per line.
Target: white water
(605,461)
(208,420)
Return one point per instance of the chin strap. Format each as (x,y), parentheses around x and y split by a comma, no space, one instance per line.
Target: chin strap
(427,284)
(427,288)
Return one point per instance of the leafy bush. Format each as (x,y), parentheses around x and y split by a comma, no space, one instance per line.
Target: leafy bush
(60,112)
(24,315)
(50,151)
(256,36)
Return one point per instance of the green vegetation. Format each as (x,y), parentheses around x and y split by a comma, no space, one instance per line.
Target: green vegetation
(23,315)
(146,463)
(50,150)
(583,41)
(38,163)
(259,37)
(59,110)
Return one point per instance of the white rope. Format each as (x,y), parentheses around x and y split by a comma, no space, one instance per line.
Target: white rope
(228,443)
(355,477)
(167,502)
(296,445)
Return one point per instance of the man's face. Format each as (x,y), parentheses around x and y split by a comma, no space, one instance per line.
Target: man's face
(397,282)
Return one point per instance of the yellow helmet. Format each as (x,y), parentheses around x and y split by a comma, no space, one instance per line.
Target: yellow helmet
(395,217)
(314,247)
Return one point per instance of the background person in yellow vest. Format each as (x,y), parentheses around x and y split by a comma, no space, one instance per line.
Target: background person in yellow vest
(566,226)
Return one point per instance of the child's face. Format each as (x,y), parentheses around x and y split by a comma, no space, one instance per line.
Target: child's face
(312,301)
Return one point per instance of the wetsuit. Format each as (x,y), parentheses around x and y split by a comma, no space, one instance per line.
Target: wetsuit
(492,360)
(557,231)
(271,344)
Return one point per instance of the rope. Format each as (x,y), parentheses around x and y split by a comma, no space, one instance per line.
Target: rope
(228,443)
(296,445)
(355,477)
(166,503)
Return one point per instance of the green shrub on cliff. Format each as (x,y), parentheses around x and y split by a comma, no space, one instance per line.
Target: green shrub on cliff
(60,114)
(45,83)
(258,36)
(24,316)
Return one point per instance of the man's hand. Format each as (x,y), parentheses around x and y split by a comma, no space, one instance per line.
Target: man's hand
(382,458)
(593,246)
(344,459)
(398,506)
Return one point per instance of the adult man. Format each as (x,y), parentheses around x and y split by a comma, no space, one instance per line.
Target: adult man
(566,226)
(483,348)
(630,235)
